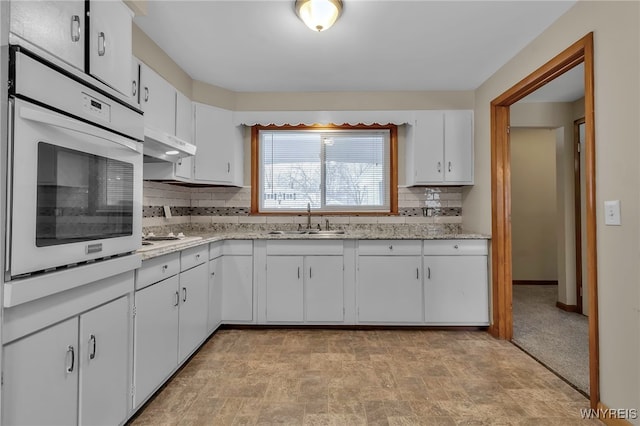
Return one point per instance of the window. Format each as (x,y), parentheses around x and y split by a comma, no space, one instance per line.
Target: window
(338,169)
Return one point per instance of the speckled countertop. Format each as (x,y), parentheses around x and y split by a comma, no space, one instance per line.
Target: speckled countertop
(199,238)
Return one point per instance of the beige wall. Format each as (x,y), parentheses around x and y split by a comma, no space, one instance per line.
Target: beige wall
(533,216)
(559,116)
(617,56)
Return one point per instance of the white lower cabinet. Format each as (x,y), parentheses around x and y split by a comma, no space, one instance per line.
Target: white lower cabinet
(156,336)
(215,294)
(237,281)
(73,372)
(171,319)
(389,289)
(194,307)
(42,368)
(105,382)
(304,288)
(456,289)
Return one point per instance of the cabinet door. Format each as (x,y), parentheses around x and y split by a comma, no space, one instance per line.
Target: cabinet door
(215,293)
(428,146)
(41,377)
(284,291)
(324,288)
(389,289)
(104,363)
(194,306)
(458,147)
(54,26)
(215,152)
(237,288)
(456,290)
(158,101)
(183,117)
(110,44)
(156,336)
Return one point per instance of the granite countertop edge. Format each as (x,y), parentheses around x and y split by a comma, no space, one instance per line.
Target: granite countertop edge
(149,253)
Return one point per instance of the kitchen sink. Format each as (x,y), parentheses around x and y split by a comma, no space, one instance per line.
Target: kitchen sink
(310,232)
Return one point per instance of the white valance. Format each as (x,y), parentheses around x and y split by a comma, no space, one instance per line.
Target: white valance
(308,118)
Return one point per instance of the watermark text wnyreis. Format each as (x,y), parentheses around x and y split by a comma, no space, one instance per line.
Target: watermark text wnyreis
(609,413)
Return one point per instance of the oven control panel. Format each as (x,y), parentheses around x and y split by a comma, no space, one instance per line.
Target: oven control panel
(96,107)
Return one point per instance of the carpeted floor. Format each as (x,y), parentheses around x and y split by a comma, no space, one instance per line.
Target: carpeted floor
(558,339)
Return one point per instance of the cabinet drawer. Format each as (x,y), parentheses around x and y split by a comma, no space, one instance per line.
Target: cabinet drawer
(193,256)
(389,247)
(157,269)
(237,247)
(302,248)
(456,247)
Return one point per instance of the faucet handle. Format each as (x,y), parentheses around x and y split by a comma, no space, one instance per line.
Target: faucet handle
(326,224)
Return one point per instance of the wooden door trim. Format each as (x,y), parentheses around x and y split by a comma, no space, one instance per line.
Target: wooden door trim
(502,325)
(578,210)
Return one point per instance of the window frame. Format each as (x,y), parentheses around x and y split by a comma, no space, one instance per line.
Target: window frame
(393,169)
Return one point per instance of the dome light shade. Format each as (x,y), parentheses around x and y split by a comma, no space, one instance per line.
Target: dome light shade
(318,15)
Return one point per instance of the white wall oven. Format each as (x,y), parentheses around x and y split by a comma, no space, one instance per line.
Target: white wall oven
(75,170)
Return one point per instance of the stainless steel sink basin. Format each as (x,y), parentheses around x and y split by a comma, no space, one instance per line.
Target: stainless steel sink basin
(310,232)
(336,232)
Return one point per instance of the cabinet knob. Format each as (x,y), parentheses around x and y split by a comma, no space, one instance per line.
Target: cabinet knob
(197,256)
(391,247)
(164,268)
(455,247)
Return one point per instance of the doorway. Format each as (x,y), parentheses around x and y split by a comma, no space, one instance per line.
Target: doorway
(502,326)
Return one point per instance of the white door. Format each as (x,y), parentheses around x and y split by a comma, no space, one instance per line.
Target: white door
(389,289)
(456,290)
(105,334)
(458,147)
(215,293)
(110,44)
(156,336)
(41,377)
(194,307)
(324,288)
(55,26)
(428,147)
(213,159)
(158,101)
(237,289)
(284,291)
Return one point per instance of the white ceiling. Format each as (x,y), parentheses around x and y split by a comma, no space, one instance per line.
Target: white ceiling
(261,46)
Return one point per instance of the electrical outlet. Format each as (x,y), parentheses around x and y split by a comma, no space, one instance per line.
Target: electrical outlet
(167,212)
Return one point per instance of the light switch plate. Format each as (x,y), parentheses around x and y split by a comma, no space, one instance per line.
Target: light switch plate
(612,212)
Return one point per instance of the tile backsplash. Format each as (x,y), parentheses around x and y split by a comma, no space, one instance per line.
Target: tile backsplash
(437,207)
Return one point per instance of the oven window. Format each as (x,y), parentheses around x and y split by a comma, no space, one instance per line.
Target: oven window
(81,197)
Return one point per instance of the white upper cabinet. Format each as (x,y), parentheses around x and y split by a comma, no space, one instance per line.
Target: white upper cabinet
(158,101)
(110,44)
(55,26)
(219,158)
(440,148)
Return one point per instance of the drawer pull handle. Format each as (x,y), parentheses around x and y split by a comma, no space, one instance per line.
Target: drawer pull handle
(177,299)
(184,294)
(92,342)
(71,366)
(298,272)
(428,272)
(391,247)
(197,256)
(417,273)
(102,44)
(75,28)
(309,271)
(455,247)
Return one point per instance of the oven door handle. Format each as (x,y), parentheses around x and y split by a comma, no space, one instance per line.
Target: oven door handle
(76,126)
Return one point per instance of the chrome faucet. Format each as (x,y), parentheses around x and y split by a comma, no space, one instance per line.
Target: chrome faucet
(308,215)
(326,224)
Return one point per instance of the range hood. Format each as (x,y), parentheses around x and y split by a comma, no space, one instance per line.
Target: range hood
(166,147)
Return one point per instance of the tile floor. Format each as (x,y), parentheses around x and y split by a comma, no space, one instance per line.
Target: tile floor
(362,377)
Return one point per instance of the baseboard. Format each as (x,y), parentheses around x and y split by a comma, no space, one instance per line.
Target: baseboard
(568,308)
(612,417)
(535,282)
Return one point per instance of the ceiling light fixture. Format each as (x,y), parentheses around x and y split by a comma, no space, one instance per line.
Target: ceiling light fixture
(319,15)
